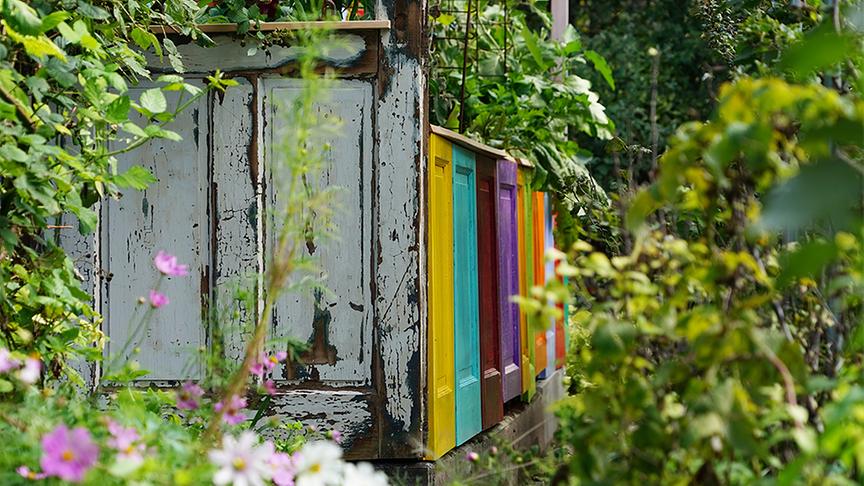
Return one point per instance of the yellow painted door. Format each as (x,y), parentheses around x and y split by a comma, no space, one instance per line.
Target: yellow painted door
(442,404)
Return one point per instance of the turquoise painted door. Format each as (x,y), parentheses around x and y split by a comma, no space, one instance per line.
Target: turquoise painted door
(465,296)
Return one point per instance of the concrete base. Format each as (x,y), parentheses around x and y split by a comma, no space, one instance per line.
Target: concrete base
(524,426)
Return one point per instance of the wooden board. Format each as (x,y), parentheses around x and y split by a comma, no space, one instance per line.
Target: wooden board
(508,278)
(465,298)
(528,234)
(538,213)
(560,334)
(524,342)
(237,205)
(487,251)
(171,215)
(550,274)
(355,53)
(442,427)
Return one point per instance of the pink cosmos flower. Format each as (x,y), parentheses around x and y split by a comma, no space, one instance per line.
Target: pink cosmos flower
(275,359)
(257,368)
(7,362)
(158,299)
(269,387)
(31,370)
(267,363)
(335,436)
(231,411)
(167,264)
(67,454)
(188,395)
(26,473)
(123,440)
(283,469)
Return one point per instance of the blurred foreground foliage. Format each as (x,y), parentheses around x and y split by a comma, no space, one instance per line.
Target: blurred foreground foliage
(722,343)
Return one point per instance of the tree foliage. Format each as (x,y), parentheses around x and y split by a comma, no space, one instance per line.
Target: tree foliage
(525,99)
(724,345)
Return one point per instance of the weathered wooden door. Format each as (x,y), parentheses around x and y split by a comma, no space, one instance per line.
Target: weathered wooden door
(364,374)
(337,325)
(170,215)
(538,213)
(487,251)
(466,317)
(442,427)
(508,278)
(550,275)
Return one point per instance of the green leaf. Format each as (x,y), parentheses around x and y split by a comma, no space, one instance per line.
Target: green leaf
(68,33)
(156,132)
(445,19)
(821,49)
(89,10)
(87,221)
(601,66)
(134,130)
(37,46)
(22,18)
(140,37)
(153,101)
(531,43)
(53,19)
(825,191)
(806,261)
(118,110)
(136,177)
(5,386)
(173,55)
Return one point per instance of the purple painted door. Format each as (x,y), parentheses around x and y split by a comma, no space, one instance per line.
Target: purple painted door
(508,278)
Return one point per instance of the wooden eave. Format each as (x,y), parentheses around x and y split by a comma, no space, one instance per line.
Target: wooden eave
(478,147)
(271,26)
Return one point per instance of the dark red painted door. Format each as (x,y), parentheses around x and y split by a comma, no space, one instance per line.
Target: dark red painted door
(487,252)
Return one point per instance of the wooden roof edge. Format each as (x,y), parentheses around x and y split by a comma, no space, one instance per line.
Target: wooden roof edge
(476,146)
(271,26)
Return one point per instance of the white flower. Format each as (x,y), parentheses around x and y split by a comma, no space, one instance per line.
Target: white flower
(318,463)
(30,372)
(363,474)
(241,462)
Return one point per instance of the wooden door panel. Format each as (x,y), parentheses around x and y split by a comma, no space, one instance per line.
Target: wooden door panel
(337,322)
(538,213)
(550,274)
(529,283)
(508,278)
(442,406)
(170,215)
(524,361)
(467,330)
(487,251)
